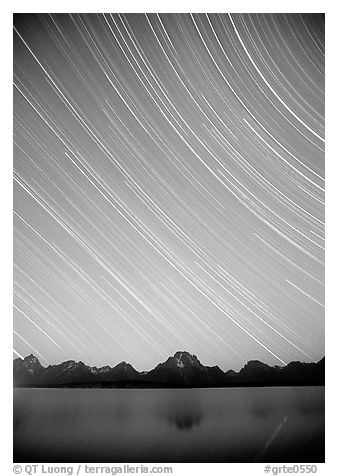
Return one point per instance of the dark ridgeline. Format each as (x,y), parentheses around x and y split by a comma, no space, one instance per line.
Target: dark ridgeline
(179,371)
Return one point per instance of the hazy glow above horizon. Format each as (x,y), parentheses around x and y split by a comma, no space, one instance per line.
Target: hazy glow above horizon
(169,187)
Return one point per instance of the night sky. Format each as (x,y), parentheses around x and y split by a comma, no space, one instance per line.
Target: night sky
(169,187)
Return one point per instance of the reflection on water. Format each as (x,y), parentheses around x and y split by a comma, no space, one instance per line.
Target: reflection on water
(185,421)
(155,425)
(183,409)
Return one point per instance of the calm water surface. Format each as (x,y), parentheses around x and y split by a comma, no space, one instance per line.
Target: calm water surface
(284,424)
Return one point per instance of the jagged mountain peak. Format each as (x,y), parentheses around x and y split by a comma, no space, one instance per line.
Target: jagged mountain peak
(185,354)
(179,361)
(68,364)
(32,362)
(31,358)
(123,364)
(124,369)
(256,363)
(184,359)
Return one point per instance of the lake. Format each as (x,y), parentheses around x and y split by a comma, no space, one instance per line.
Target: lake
(257,424)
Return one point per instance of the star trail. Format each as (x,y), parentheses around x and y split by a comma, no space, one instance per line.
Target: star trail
(169,183)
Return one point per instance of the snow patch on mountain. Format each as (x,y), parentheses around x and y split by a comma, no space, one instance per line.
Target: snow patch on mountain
(179,363)
(69,365)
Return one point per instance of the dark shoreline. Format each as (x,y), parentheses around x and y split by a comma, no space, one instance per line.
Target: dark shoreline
(154,385)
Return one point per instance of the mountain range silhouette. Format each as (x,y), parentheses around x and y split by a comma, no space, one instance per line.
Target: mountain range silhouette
(180,370)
